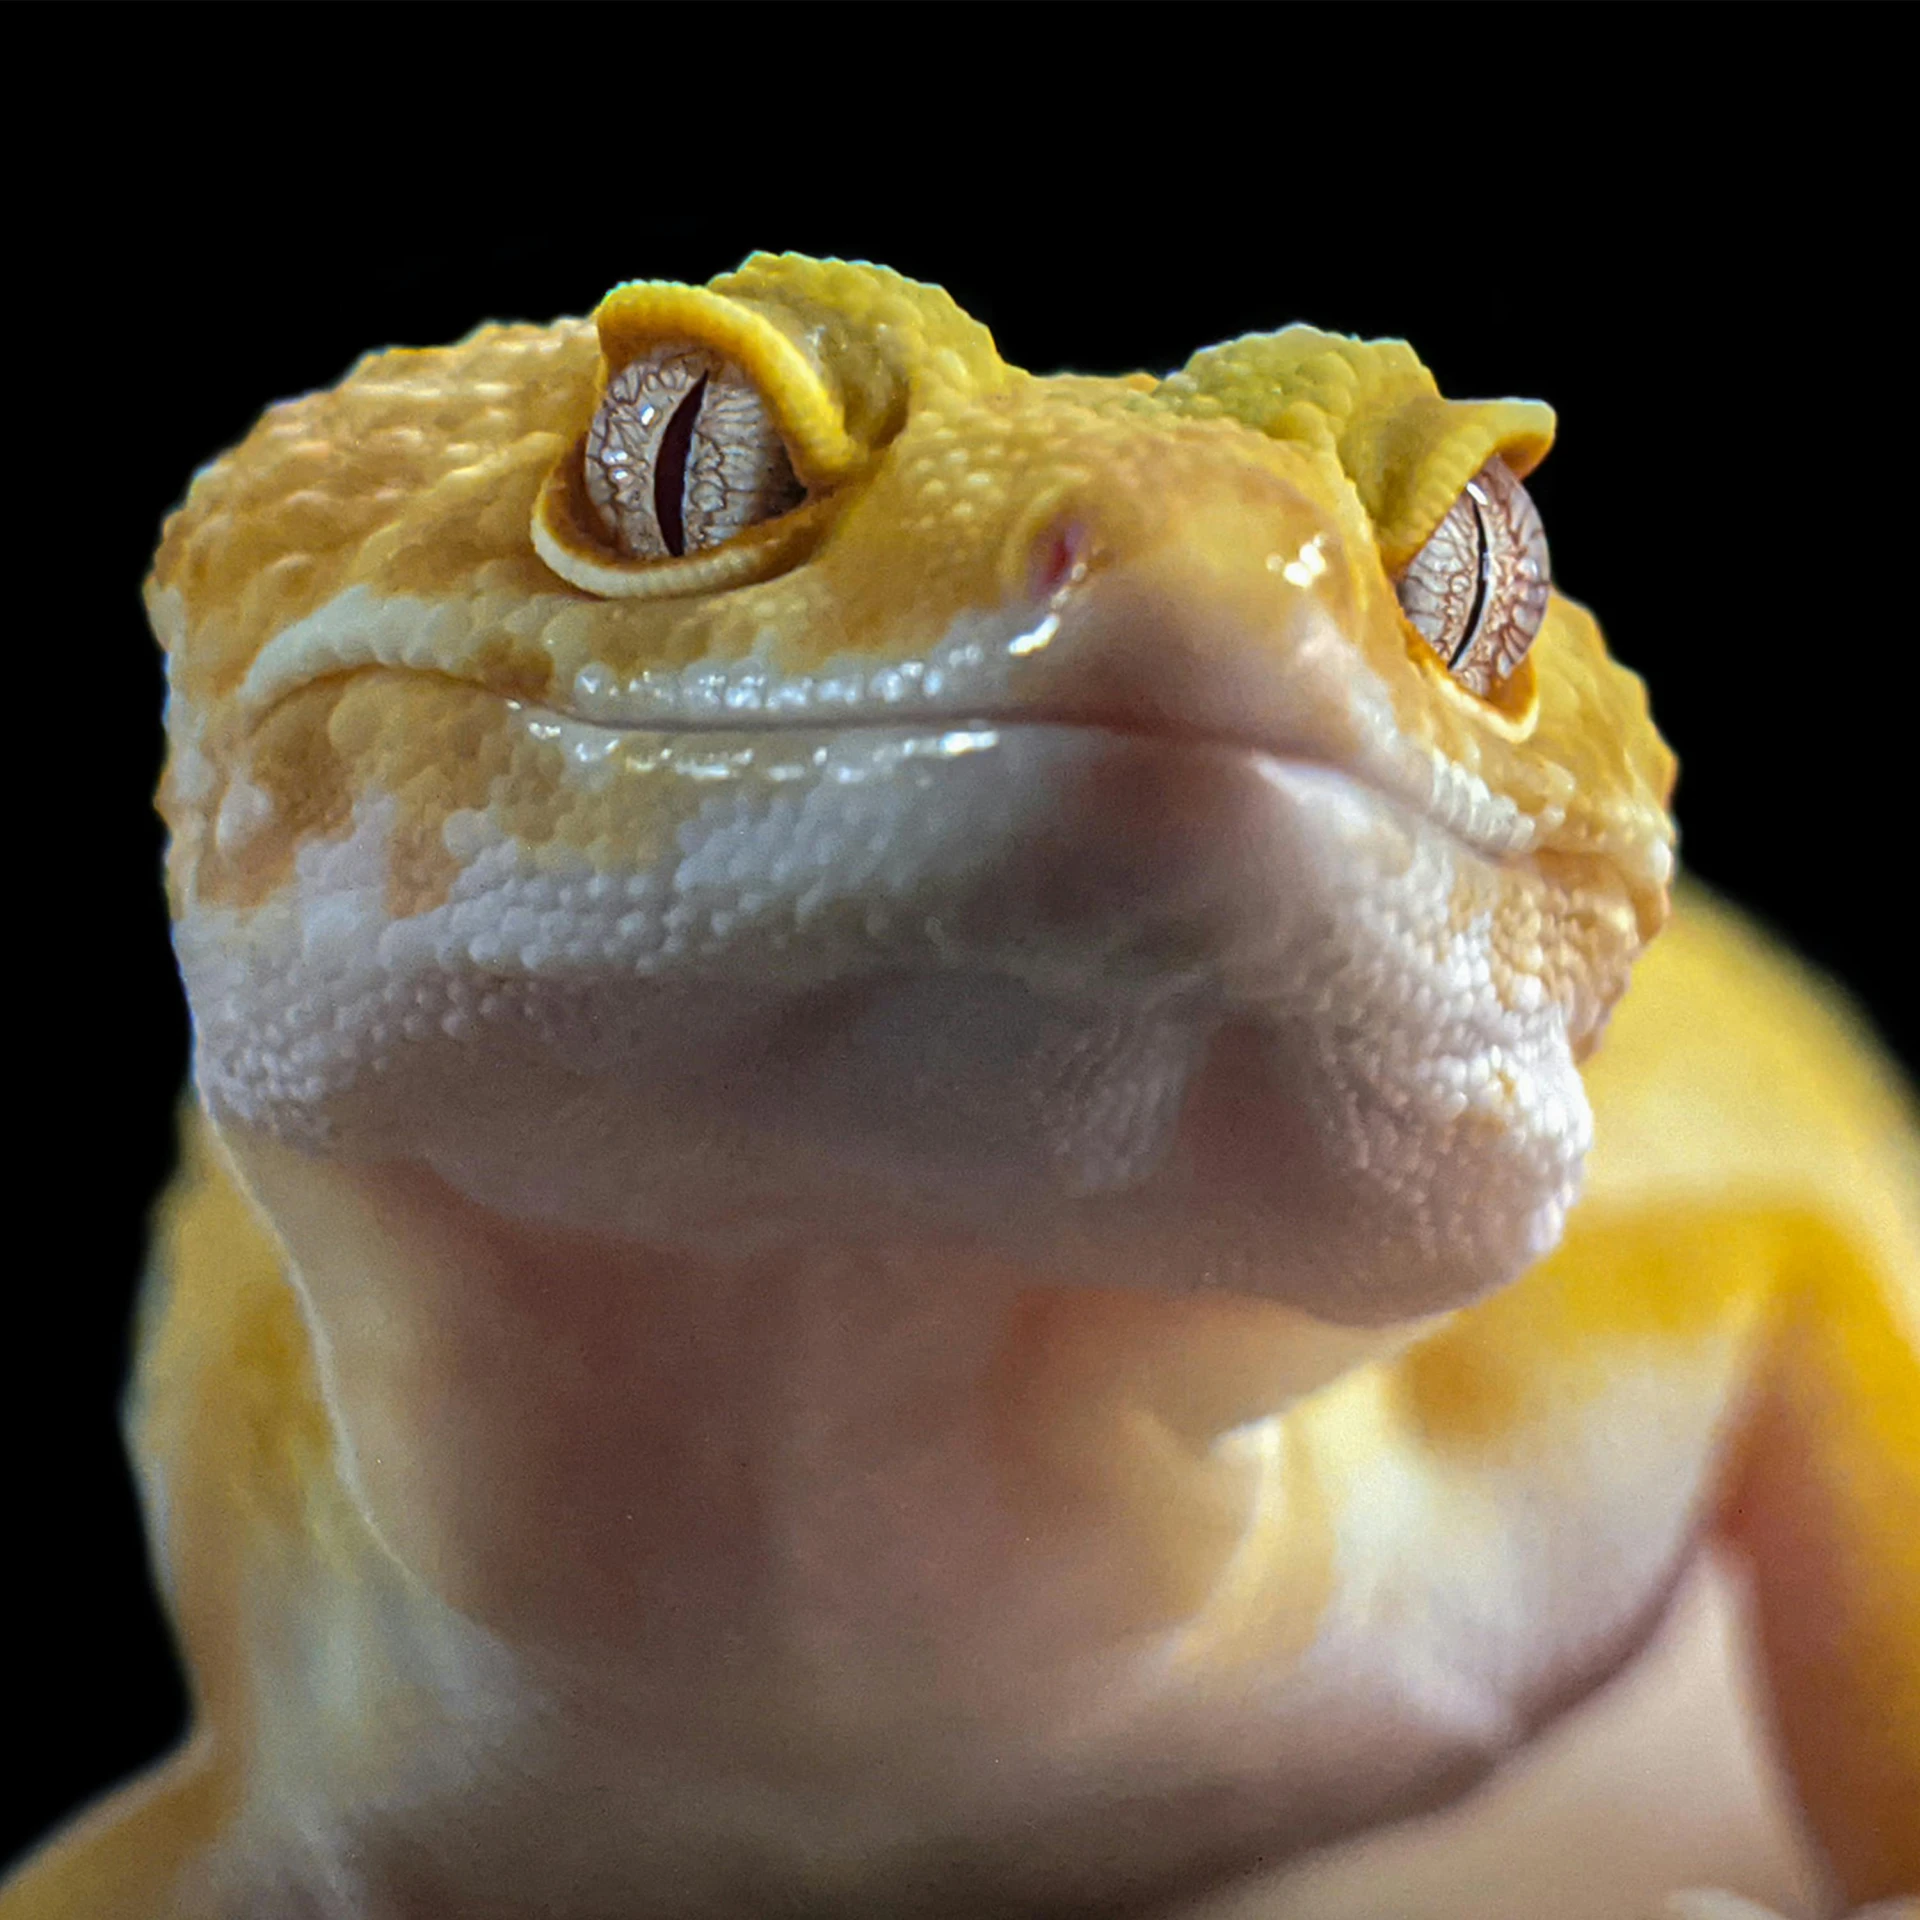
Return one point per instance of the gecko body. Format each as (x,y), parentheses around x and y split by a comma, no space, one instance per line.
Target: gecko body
(926,1180)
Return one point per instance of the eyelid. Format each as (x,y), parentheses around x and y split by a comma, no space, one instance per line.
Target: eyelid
(636,318)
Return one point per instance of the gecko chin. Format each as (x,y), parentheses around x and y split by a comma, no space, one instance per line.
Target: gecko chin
(1121,1009)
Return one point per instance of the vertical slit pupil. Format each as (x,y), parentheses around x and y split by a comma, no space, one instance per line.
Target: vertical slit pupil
(1482,579)
(670,470)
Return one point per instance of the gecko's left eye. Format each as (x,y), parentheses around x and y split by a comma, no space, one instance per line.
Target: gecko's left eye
(1477,591)
(683,455)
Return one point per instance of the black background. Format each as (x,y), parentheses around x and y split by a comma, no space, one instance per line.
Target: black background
(1690,230)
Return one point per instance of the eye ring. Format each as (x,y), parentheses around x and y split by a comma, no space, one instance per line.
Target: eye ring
(1477,592)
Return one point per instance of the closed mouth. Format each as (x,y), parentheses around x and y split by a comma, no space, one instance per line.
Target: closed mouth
(711,748)
(960,686)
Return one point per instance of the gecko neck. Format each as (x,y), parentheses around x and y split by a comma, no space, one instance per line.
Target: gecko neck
(880,1468)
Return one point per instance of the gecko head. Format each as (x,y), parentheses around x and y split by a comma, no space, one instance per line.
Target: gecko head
(755,765)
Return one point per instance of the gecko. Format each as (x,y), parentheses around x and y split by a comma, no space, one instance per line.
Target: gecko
(958,1147)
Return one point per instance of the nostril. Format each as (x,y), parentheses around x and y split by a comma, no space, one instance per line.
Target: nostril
(1059,557)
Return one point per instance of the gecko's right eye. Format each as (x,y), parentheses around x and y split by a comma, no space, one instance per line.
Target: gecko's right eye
(1477,591)
(683,454)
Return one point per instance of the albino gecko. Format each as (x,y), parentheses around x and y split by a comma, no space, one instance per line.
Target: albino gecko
(921,1185)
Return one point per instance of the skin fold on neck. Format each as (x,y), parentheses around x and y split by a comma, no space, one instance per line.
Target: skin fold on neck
(860,1477)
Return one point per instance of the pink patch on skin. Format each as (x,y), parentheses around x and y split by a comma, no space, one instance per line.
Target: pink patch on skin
(1058,558)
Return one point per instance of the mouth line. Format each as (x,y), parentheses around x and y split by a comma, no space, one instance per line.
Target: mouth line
(1392,786)
(978,717)
(984,721)
(920,717)
(961,720)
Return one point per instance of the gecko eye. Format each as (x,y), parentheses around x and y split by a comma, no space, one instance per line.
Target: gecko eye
(1477,590)
(683,455)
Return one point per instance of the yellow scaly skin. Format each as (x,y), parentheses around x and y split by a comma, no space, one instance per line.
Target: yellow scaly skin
(879,1218)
